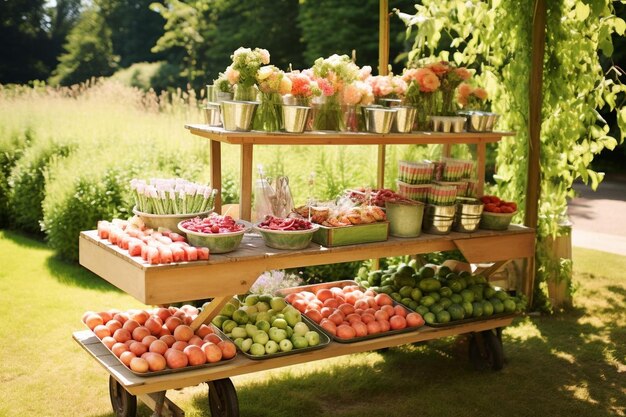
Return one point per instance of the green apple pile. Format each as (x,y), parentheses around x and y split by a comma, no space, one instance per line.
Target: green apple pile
(265,325)
(439,294)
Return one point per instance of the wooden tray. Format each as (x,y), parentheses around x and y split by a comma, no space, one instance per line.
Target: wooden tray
(352,235)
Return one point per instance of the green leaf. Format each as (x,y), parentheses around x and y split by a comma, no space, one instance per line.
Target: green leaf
(605,44)
(620,26)
(621,122)
(582,11)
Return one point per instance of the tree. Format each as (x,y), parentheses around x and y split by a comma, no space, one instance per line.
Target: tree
(89,51)
(24,45)
(135,29)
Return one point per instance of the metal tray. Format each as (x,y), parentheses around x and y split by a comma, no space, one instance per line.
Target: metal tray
(167,371)
(472,319)
(324,340)
(314,287)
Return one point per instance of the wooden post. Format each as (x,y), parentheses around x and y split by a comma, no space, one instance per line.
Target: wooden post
(383,63)
(245,197)
(534,129)
(216,173)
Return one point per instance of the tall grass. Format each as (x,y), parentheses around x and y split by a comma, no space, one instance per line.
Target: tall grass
(113,128)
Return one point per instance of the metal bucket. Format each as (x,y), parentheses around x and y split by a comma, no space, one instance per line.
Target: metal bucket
(468,214)
(438,219)
(405,219)
(295,118)
(379,119)
(212,114)
(237,116)
(404,120)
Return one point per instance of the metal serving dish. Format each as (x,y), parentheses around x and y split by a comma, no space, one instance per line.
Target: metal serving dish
(340,284)
(324,340)
(480,121)
(468,214)
(167,371)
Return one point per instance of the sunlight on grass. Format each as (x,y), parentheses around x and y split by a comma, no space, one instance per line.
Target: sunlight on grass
(563,355)
(581,392)
(524,330)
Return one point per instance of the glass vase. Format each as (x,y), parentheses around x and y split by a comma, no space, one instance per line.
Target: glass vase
(350,119)
(448,103)
(328,114)
(269,113)
(245,92)
(426,105)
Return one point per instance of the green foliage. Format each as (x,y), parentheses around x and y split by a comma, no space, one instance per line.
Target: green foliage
(89,51)
(327,273)
(495,38)
(140,75)
(12,147)
(27,184)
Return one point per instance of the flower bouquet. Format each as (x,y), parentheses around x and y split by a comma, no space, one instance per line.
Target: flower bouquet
(332,75)
(450,77)
(242,73)
(421,93)
(272,83)
(387,87)
(355,95)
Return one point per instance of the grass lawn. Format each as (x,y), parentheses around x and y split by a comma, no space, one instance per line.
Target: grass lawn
(565,365)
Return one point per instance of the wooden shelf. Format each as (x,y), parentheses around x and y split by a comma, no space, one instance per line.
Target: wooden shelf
(341,138)
(235,272)
(137,385)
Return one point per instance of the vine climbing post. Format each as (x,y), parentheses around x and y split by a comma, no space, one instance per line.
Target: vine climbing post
(534,129)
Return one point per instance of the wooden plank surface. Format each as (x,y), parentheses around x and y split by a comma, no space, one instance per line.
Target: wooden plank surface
(245,189)
(337,138)
(242,365)
(235,272)
(216,173)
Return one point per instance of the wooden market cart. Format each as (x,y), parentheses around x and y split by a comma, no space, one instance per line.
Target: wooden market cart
(226,275)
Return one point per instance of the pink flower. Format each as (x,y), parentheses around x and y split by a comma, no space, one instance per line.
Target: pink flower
(464,92)
(232,75)
(428,81)
(399,85)
(440,68)
(326,87)
(264,54)
(481,93)
(365,72)
(351,94)
(381,85)
(463,73)
(300,84)
(410,74)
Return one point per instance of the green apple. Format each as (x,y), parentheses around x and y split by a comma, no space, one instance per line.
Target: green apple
(260,337)
(299,342)
(289,331)
(262,306)
(239,332)
(219,320)
(251,300)
(278,303)
(280,323)
(263,316)
(228,310)
(246,344)
(312,338)
(277,334)
(292,315)
(300,329)
(239,342)
(241,317)
(228,326)
(257,349)
(263,325)
(285,345)
(251,329)
(271,347)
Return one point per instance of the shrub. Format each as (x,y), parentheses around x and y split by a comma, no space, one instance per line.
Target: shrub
(138,75)
(12,148)
(27,184)
(89,198)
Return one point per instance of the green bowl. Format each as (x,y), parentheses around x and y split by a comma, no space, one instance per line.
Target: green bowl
(168,221)
(496,221)
(287,239)
(216,242)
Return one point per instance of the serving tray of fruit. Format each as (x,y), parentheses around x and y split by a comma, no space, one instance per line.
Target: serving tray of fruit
(264,327)
(159,341)
(349,313)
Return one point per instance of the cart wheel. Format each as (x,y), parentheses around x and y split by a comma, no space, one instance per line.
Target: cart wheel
(485,351)
(124,404)
(223,400)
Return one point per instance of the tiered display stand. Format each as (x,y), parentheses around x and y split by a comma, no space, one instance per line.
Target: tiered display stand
(224,276)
